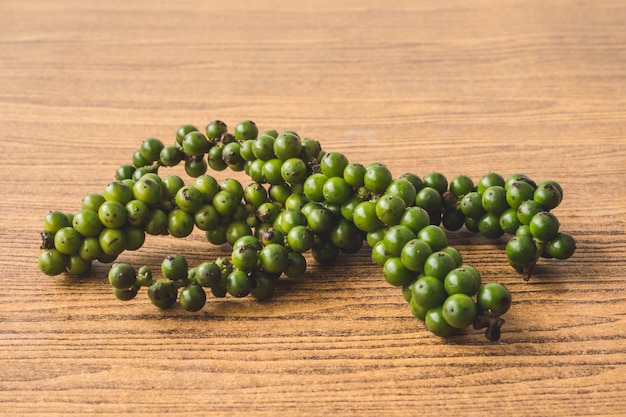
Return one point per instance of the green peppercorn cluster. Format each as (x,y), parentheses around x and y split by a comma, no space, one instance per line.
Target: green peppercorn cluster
(302,199)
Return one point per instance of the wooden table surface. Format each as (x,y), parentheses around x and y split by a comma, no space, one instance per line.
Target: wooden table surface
(457,87)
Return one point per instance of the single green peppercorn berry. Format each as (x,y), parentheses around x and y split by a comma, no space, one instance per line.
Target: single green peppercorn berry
(527,210)
(171,156)
(396,273)
(294,171)
(156,223)
(52,262)
(180,223)
(346,236)
(494,199)
(233,186)
(430,200)
(402,188)
(377,178)
(428,292)
(544,225)
(255,194)
(415,218)
(459,310)
(436,323)
(148,190)
(336,190)
(122,276)
(90,249)
(279,193)
(364,217)
(414,254)
(138,160)
(548,194)
(521,251)
(271,171)
(461,185)
(390,208)
(236,230)
(246,150)
(488,180)
(263,147)
(189,199)
(269,235)
(379,253)
(437,181)
(314,187)
(192,298)
(87,223)
(471,205)
(118,191)
(300,238)
(215,129)
(55,220)
(112,214)
(151,149)
(287,145)
(195,143)
(415,180)
(295,202)
(226,203)
(509,222)
(396,237)
(208,187)
(264,285)
(174,267)
(67,240)
(238,284)
(517,192)
(494,299)
(163,293)
(523,230)
(92,201)
(137,212)
(245,258)
(214,158)
(136,237)
(439,264)
(273,258)
(311,148)
(347,208)
(208,274)
(434,236)
(333,164)
(489,226)
(267,212)
(196,166)
(562,246)
(170,186)
(231,154)
(461,281)
(354,174)
(246,129)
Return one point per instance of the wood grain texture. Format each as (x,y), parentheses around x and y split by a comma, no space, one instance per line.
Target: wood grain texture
(457,87)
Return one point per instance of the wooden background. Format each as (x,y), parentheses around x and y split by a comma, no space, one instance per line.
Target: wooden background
(458,87)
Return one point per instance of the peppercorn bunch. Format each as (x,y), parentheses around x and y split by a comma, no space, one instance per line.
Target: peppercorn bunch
(302,199)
